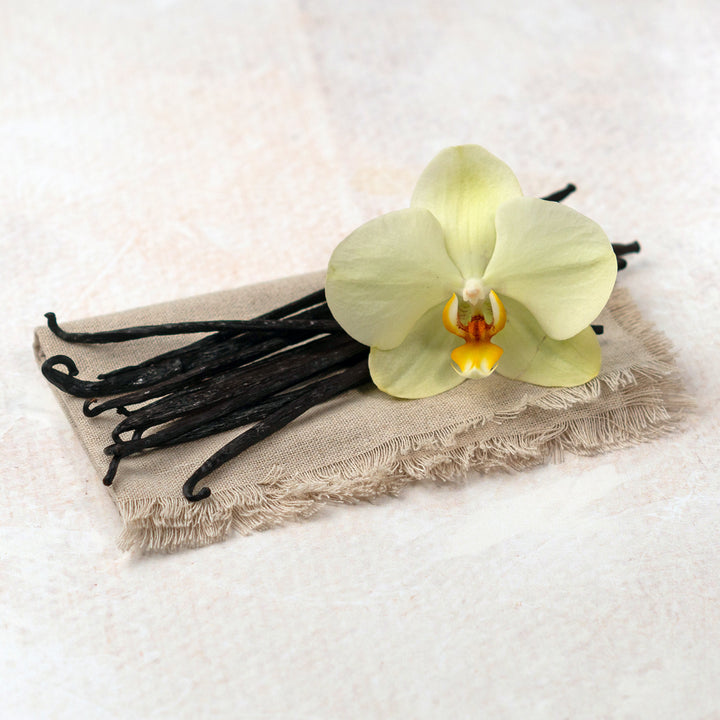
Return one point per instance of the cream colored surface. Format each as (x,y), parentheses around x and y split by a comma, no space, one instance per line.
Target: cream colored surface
(150,151)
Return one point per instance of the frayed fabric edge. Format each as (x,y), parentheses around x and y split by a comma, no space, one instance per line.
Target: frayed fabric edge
(643,412)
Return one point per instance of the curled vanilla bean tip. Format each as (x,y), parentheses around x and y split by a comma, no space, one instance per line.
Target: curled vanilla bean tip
(621,263)
(189,490)
(560,195)
(88,410)
(53,326)
(599,329)
(49,366)
(112,470)
(69,382)
(65,381)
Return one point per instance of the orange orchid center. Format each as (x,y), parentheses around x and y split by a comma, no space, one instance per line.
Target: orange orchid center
(478,357)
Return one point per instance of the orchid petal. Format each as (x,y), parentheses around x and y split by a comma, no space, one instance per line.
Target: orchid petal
(384,276)
(463,188)
(420,366)
(556,262)
(531,356)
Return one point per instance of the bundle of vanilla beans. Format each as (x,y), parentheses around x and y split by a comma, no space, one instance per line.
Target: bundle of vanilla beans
(257,374)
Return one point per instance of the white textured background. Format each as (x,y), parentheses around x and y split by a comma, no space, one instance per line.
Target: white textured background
(153,150)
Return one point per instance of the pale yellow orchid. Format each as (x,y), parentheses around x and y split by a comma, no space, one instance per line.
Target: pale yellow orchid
(515,280)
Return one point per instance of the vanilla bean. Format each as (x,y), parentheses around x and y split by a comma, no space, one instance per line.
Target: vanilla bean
(205,423)
(624,249)
(197,426)
(219,417)
(232,353)
(241,347)
(354,376)
(69,383)
(308,302)
(287,325)
(64,381)
(246,385)
(207,342)
(598,329)
(621,249)
(187,379)
(112,470)
(560,195)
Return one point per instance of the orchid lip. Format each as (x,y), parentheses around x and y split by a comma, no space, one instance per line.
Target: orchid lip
(478,357)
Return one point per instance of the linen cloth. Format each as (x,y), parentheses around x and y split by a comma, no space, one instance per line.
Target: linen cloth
(364,443)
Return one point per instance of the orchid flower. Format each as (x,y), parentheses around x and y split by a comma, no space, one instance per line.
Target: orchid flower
(473,278)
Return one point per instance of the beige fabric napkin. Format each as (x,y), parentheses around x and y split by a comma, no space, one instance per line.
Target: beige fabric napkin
(364,443)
